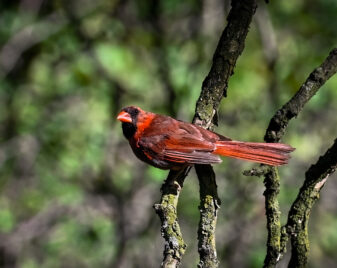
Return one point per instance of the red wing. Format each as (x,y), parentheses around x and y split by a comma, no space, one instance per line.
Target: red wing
(180,142)
(190,150)
(194,157)
(181,149)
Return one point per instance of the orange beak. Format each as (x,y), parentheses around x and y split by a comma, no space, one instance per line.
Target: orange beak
(124,117)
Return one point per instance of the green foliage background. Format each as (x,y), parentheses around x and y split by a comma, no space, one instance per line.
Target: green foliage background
(72,192)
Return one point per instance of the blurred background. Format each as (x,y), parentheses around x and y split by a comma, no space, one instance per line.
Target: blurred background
(72,192)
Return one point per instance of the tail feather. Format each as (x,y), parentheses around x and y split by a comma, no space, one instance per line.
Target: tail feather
(274,154)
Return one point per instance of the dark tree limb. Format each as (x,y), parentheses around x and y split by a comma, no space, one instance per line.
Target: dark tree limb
(230,47)
(292,108)
(298,217)
(274,133)
(214,87)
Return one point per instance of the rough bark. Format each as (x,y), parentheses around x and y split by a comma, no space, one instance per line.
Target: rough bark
(277,237)
(167,212)
(272,184)
(214,87)
(230,47)
(209,204)
(299,214)
(279,122)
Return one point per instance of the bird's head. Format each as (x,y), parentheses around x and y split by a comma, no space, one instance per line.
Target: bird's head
(129,117)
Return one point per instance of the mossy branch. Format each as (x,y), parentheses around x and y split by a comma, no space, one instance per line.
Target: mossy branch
(272,184)
(274,133)
(167,212)
(209,204)
(214,87)
(298,217)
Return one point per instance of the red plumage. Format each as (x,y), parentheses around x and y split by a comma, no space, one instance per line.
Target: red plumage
(167,143)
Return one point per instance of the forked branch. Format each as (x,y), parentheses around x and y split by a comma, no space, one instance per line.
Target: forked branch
(214,87)
(274,133)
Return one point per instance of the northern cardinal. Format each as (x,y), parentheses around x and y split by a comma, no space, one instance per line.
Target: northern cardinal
(166,143)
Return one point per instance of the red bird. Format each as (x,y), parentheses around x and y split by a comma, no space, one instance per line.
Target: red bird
(166,143)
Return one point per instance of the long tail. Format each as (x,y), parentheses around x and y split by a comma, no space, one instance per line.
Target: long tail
(274,154)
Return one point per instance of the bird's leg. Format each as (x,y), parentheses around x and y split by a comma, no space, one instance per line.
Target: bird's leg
(175,180)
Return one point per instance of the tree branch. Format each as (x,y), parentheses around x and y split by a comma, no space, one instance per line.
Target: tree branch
(298,217)
(274,133)
(214,87)
(230,47)
(209,204)
(167,212)
(292,108)
(272,184)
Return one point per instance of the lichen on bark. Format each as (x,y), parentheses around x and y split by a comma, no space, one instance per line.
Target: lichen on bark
(214,87)
(277,236)
(209,205)
(299,214)
(272,184)
(167,211)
